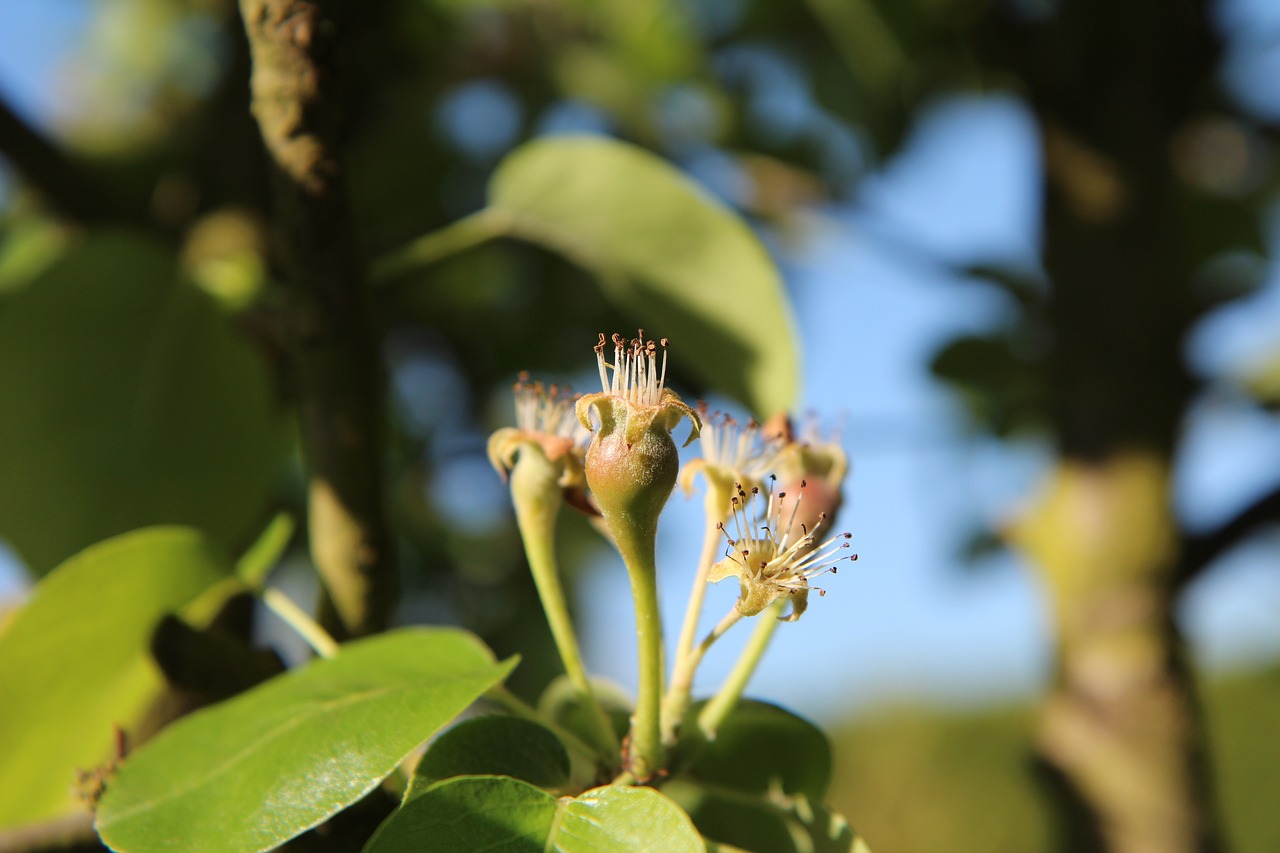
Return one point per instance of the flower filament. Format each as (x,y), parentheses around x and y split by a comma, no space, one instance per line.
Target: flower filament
(634,374)
(547,410)
(770,556)
(730,445)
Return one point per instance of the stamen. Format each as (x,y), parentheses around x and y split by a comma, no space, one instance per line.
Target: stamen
(785,564)
(547,410)
(634,374)
(729,444)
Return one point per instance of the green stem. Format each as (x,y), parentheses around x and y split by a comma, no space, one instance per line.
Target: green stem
(679,694)
(297,619)
(456,237)
(720,706)
(716,503)
(535,492)
(644,755)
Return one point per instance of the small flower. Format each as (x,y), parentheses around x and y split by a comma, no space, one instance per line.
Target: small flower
(545,423)
(632,461)
(732,454)
(773,555)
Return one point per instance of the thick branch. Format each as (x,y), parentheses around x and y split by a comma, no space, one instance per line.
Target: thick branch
(331,349)
(64,183)
(1198,552)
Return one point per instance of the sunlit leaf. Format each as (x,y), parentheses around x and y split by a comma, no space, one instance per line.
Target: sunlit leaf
(680,262)
(73,661)
(498,813)
(259,769)
(128,400)
(495,746)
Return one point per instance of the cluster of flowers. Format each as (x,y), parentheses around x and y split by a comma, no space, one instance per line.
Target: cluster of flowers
(772,493)
(768,496)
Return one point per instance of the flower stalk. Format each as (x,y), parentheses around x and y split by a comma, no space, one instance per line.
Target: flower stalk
(320,641)
(631,467)
(774,556)
(727,697)
(536,497)
(765,538)
(644,748)
(542,457)
(680,691)
(731,454)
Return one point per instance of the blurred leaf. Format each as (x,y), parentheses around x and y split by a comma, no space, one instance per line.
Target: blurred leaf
(1227,277)
(497,813)
(27,246)
(73,661)
(1028,287)
(495,746)
(683,264)
(759,748)
(128,401)
(305,745)
(1214,224)
(1262,380)
(978,546)
(1002,392)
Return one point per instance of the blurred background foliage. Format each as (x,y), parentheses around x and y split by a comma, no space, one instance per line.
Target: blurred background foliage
(142,378)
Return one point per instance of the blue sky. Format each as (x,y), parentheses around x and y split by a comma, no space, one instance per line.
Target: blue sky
(907,621)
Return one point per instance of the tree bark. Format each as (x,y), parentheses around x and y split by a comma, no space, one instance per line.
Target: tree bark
(333,358)
(1113,85)
(1121,722)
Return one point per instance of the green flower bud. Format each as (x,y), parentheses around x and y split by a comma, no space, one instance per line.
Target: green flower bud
(632,462)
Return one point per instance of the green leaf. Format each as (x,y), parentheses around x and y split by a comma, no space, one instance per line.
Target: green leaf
(129,400)
(73,661)
(495,746)
(263,767)
(496,813)
(490,813)
(618,818)
(760,748)
(562,704)
(686,266)
(773,823)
